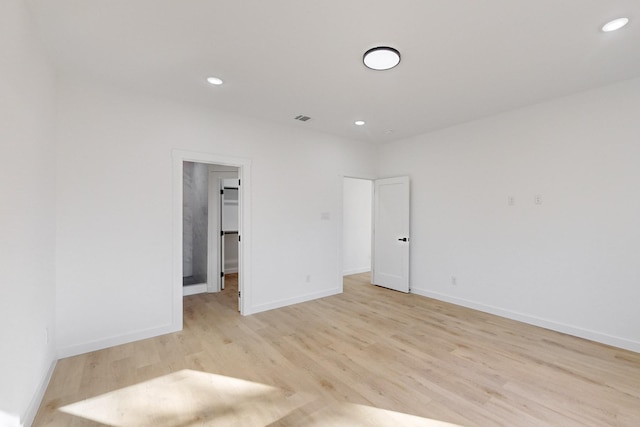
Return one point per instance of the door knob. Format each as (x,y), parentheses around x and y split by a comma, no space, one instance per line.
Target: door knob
(403,239)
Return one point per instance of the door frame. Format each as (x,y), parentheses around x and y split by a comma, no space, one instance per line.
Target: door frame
(341,231)
(244,226)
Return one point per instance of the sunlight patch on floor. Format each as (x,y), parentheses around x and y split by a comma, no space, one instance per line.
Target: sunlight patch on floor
(352,415)
(187,398)
(193,398)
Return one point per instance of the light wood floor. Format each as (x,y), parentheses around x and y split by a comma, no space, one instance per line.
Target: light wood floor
(365,357)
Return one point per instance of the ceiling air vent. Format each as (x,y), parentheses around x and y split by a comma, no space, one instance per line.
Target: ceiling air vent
(302,118)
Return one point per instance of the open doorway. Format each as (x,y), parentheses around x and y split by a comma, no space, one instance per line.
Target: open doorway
(357,225)
(210,218)
(376,230)
(197,226)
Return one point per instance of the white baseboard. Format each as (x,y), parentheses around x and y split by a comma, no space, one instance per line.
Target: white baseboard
(100,344)
(356,271)
(36,400)
(291,301)
(536,321)
(199,288)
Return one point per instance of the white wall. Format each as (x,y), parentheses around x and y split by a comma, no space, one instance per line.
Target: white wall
(357,225)
(114,246)
(27,216)
(571,263)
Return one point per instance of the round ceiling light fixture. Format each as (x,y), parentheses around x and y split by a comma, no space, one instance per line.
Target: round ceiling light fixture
(215,81)
(381,58)
(359,123)
(614,25)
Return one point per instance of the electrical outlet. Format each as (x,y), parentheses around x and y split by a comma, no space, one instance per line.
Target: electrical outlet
(537,199)
(454,281)
(511,200)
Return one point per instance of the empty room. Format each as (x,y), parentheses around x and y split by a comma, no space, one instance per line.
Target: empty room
(419,212)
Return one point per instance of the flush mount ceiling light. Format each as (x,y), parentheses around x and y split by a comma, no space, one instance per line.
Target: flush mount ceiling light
(215,81)
(381,58)
(359,123)
(614,25)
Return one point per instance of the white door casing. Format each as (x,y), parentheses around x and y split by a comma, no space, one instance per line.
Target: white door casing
(391,203)
(244,259)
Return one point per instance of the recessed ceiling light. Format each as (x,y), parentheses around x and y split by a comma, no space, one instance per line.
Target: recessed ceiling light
(215,81)
(614,25)
(381,58)
(359,123)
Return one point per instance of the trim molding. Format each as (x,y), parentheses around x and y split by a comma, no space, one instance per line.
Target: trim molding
(100,344)
(34,405)
(356,271)
(291,301)
(588,334)
(199,288)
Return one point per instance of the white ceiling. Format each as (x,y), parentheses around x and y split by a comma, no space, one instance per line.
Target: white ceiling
(461,59)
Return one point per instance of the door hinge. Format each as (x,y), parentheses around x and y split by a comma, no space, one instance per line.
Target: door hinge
(238,183)
(222,274)
(221,232)
(239,238)
(221,191)
(239,294)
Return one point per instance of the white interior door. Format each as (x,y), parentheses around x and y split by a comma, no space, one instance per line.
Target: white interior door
(229,223)
(391,233)
(222,236)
